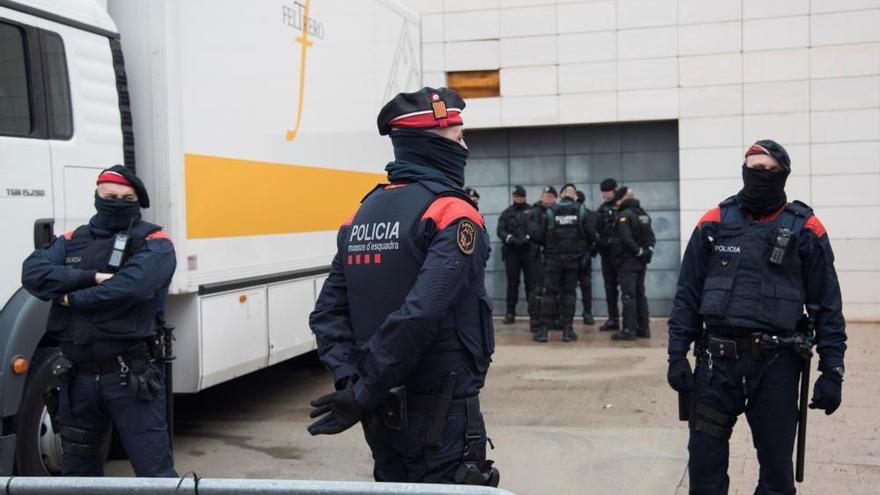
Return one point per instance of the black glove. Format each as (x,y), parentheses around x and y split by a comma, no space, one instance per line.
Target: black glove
(646,254)
(826,393)
(679,375)
(344,412)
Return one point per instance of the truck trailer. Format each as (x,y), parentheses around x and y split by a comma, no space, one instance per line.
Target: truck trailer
(252,124)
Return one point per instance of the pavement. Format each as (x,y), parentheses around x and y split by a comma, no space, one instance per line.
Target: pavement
(589,417)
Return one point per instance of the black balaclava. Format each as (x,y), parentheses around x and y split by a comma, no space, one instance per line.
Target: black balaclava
(420,153)
(115,215)
(763,191)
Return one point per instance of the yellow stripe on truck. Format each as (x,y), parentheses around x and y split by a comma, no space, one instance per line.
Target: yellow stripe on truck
(226,197)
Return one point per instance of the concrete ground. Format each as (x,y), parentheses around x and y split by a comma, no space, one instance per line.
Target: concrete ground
(592,417)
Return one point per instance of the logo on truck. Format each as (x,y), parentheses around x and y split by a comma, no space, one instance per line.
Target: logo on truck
(296,15)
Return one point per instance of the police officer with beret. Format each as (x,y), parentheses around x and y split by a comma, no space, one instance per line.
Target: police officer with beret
(107,282)
(635,241)
(403,321)
(751,266)
(513,231)
(565,230)
(606,216)
(535,221)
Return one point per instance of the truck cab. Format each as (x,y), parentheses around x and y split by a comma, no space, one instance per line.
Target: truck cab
(64,116)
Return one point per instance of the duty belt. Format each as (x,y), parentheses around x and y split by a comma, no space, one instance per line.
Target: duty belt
(138,352)
(427,403)
(756,345)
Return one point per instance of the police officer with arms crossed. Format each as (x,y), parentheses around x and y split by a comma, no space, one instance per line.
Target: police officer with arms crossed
(635,240)
(403,321)
(566,230)
(107,282)
(606,242)
(514,233)
(749,269)
(536,221)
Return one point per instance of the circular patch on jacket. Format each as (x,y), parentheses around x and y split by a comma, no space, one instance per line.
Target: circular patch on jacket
(467,236)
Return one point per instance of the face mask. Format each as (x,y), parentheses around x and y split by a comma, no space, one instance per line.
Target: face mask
(116,214)
(763,191)
(432,150)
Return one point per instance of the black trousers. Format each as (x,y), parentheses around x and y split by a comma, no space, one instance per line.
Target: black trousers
(94,403)
(609,276)
(560,281)
(635,304)
(535,296)
(766,390)
(403,456)
(585,280)
(517,261)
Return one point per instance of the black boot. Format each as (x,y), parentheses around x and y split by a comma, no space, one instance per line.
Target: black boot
(540,334)
(624,335)
(588,319)
(568,335)
(610,325)
(509,318)
(644,333)
(533,326)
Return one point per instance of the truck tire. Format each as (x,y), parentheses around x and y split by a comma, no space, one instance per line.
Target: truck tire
(38,446)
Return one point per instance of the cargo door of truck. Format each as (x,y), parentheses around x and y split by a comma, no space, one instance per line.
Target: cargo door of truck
(25,169)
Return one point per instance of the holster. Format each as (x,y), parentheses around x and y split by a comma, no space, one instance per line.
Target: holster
(439,412)
(475,468)
(394,411)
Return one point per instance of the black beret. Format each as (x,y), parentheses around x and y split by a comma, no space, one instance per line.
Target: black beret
(519,191)
(117,174)
(470,191)
(770,147)
(607,185)
(620,193)
(551,190)
(427,108)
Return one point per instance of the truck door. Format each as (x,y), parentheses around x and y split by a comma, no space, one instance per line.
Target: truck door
(25,164)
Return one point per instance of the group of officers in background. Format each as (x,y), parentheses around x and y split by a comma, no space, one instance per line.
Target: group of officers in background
(552,243)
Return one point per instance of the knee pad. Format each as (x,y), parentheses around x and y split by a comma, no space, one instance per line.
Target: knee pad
(712,422)
(82,443)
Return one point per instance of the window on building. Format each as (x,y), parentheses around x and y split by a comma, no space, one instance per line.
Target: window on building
(57,86)
(15,102)
(475,83)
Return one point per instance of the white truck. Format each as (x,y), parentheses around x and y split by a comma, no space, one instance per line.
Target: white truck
(252,124)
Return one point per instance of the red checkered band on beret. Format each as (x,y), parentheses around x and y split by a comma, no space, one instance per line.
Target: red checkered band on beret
(757,149)
(426,120)
(113,178)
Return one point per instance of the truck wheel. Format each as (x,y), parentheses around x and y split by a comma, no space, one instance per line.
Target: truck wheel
(38,445)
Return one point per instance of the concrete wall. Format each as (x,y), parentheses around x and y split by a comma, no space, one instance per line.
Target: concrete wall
(803,72)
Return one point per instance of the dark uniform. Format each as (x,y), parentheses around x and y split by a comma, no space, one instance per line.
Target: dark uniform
(566,227)
(635,239)
(108,372)
(606,217)
(535,222)
(403,321)
(741,294)
(513,232)
(585,273)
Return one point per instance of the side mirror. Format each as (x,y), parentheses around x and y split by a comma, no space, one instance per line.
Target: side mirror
(44,235)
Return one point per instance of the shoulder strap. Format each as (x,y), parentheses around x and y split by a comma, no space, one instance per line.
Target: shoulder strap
(81,231)
(796,215)
(730,211)
(139,233)
(551,217)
